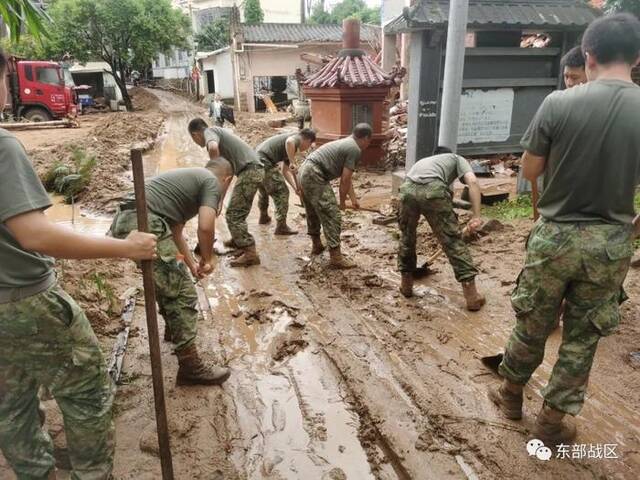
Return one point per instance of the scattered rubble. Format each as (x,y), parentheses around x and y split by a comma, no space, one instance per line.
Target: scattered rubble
(396,146)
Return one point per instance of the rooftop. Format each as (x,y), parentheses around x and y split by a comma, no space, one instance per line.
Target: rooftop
(303,33)
(550,14)
(353,71)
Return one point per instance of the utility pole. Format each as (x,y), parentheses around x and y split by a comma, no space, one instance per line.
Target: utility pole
(453,71)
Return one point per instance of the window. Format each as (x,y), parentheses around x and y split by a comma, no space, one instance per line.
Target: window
(361,113)
(48,75)
(28,73)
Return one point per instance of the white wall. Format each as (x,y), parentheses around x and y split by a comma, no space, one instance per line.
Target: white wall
(222,74)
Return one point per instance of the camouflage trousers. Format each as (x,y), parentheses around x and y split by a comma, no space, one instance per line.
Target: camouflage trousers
(175,292)
(320,205)
(584,264)
(46,340)
(274,186)
(247,184)
(433,200)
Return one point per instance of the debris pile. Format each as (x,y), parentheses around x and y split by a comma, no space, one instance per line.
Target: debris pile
(396,146)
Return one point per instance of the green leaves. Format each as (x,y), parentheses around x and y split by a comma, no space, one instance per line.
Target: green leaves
(345,9)
(19,13)
(253,12)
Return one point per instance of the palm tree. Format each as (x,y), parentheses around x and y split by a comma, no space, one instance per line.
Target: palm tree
(17,14)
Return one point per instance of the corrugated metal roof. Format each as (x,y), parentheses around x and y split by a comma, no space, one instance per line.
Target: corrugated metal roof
(570,14)
(302,33)
(353,72)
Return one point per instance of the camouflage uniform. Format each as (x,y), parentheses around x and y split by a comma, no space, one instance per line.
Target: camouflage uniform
(433,200)
(175,291)
(320,204)
(47,340)
(274,186)
(585,264)
(247,184)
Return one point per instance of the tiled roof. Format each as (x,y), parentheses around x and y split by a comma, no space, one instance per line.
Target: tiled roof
(303,33)
(353,71)
(570,14)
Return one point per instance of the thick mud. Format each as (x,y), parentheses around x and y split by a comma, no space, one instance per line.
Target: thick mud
(337,376)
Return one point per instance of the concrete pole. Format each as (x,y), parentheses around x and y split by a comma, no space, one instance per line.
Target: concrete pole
(453,70)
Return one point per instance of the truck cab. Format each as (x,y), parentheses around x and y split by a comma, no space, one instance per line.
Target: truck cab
(39,92)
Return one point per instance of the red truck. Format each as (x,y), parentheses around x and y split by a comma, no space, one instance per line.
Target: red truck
(38,91)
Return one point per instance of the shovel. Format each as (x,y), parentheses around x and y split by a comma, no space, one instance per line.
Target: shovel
(492,362)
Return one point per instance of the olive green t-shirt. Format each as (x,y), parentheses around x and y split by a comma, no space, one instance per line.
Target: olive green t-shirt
(590,136)
(274,150)
(20,192)
(332,157)
(238,153)
(445,167)
(178,194)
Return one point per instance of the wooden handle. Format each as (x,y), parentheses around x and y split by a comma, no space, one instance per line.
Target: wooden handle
(152,321)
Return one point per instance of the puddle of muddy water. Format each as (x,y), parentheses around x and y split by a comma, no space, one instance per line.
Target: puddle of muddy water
(73,217)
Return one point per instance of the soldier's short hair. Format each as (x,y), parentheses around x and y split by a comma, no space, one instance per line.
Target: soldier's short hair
(613,39)
(362,130)
(308,133)
(574,58)
(197,125)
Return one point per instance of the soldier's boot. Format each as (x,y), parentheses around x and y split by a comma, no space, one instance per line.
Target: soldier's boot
(406,284)
(508,398)
(551,427)
(317,247)
(283,229)
(229,243)
(193,371)
(474,300)
(249,257)
(338,261)
(264,218)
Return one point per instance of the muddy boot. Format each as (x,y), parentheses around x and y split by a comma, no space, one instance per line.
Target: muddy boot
(249,257)
(551,429)
(337,260)
(193,371)
(317,246)
(475,301)
(264,218)
(508,398)
(406,284)
(283,229)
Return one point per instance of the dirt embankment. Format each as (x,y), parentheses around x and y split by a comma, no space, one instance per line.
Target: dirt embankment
(109,141)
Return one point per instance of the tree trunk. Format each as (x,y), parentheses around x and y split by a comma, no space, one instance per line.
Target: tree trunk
(118,66)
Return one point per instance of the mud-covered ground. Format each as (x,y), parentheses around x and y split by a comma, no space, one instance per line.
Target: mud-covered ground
(336,375)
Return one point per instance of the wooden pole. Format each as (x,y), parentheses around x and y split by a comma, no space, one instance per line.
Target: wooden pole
(152,321)
(534,199)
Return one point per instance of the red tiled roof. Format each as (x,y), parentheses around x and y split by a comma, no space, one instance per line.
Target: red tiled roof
(353,71)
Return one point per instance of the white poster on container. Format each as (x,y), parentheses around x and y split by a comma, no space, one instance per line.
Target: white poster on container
(485,115)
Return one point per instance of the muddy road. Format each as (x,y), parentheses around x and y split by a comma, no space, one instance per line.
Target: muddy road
(337,376)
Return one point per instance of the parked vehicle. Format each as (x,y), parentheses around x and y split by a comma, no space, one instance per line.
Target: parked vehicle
(38,91)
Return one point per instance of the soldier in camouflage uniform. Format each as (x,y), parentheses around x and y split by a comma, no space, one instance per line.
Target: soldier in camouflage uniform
(281,149)
(337,159)
(225,147)
(585,141)
(173,198)
(45,338)
(427,191)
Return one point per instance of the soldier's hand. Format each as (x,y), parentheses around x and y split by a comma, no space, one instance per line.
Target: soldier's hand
(343,206)
(204,269)
(355,204)
(474,224)
(142,246)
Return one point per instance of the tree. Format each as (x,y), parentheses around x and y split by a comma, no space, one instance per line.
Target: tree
(631,6)
(19,13)
(27,46)
(124,33)
(253,12)
(214,36)
(346,9)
